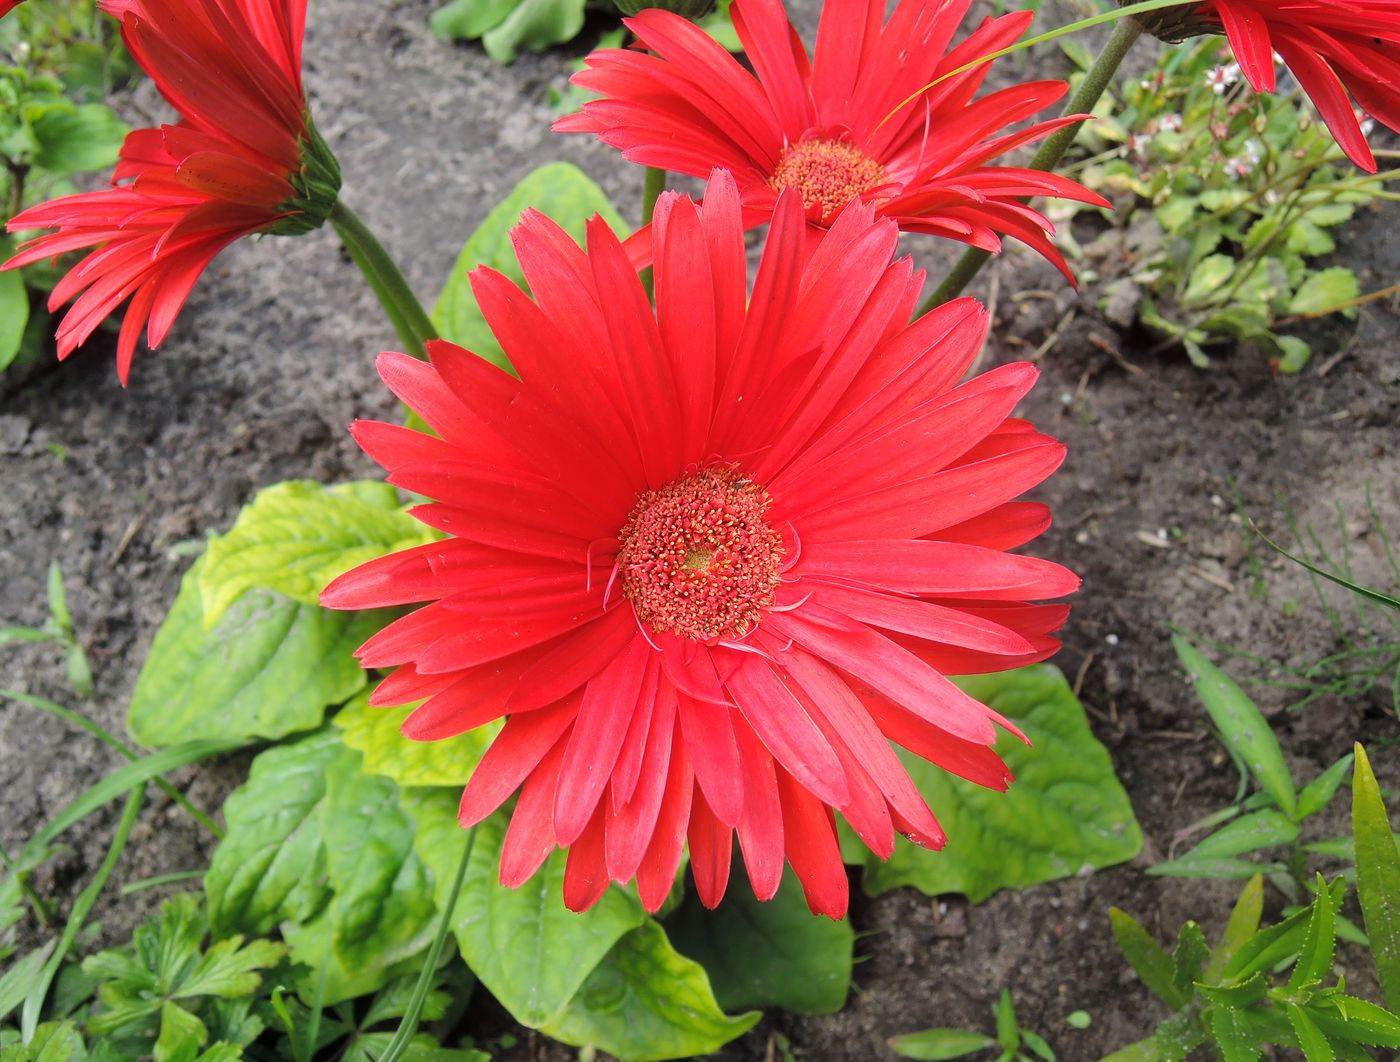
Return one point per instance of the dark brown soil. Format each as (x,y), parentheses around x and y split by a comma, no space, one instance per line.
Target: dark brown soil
(272,358)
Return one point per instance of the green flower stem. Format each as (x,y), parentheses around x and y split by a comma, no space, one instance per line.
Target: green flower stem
(655,184)
(408,1025)
(386,280)
(1126,31)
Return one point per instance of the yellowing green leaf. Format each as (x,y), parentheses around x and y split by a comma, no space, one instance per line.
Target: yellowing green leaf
(375,732)
(1325,290)
(268,668)
(295,537)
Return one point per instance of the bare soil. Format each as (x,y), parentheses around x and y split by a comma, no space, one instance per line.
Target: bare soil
(273,357)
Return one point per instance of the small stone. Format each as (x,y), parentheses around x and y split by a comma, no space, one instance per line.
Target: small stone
(14,433)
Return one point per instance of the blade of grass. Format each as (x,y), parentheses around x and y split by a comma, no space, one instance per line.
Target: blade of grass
(1363,591)
(82,722)
(29,1016)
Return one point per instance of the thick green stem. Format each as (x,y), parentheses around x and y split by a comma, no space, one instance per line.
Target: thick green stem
(386,280)
(1125,33)
(655,184)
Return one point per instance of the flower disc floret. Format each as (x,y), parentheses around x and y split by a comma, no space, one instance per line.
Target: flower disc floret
(698,557)
(828,174)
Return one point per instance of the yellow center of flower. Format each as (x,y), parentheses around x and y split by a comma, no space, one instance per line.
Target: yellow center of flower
(698,558)
(828,174)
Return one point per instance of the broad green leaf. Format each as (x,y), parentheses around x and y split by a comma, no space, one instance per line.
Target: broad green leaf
(1242,726)
(271,865)
(1189,957)
(14,314)
(1153,966)
(1324,291)
(529,951)
(228,969)
(646,1002)
(1377,876)
(1294,354)
(533,26)
(1318,793)
(466,20)
(383,908)
(1241,927)
(77,141)
(1249,833)
(937,1045)
(375,732)
(1303,237)
(181,1034)
(1066,812)
(1208,279)
(773,954)
(1234,1035)
(559,190)
(269,668)
(295,537)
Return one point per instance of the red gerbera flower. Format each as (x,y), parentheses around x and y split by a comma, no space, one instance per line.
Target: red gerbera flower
(860,122)
(6,6)
(243,158)
(1332,47)
(709,562)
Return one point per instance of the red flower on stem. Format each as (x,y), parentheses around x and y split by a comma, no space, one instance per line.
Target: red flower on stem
(243,158)
(1332,47)
(710,560)
(879,115)
(6,6)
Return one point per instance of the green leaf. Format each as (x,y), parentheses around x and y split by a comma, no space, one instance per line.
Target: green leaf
(1142,1051)
(81,140)
(1066,812)
(1237,1040)
(1241,927)
(1377,876)
(383,908)
(375,732)
(295,537)
(936,1045)
(466,20)
(228,969)
(559,190)
(1008,1032)
(529,951)
(54,1041)
(58,599)
(1294,354)
(1189,957)
(1248,833)
(1238,997)
(773,954)
(271,865)
(18,979)
(1315,959)
(1208,279)
(181,1035)
(1359,1021)
(1310,1039)
(269,668)
(1153,966)
(1325,290)
(1218,868)
(1318,793)
(1242,726)
(1305,238)
(1271,946)
(533,26)
(646,1002)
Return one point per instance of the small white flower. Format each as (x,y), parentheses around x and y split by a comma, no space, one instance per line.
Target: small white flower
(1171,123)
(1138,143)
(1222,77)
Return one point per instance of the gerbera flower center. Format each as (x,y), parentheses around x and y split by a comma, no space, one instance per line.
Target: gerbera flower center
(698,557)
(828,174)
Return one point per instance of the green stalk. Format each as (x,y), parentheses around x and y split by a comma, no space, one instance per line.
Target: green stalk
(111,741)
(655,184)
(403,1037)
(34,1001)
(1125,34)
(385,279)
